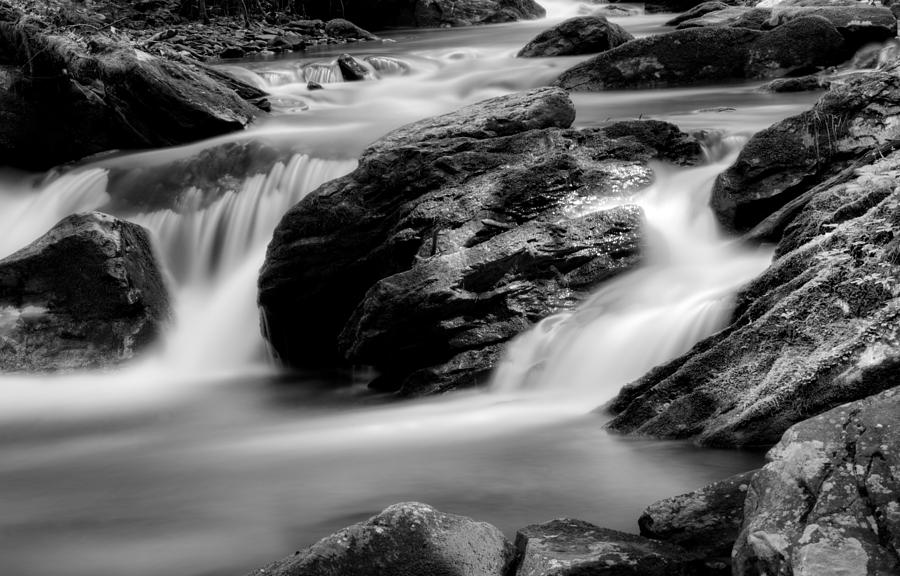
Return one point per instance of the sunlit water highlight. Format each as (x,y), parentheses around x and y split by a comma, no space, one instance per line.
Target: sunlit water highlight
(201,460)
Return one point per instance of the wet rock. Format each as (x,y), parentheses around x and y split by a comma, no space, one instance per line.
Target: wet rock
(656,6)
(782,161)
(705,522)
(695,55)
(733,16)
(472,220)
(827,503)
(388,66)
(340,28)
(698,11)
(818,328)
(87,294)
(859,24)
(581,35)
(314,86)
(61,101)
(408,539)
(567,547)
(799,84)
(352,70)
(232,52)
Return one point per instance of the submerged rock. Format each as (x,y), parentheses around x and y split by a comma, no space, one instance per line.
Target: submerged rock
(87,294)
(61,101)
(827,503)
(454,234)
(696,55)
(408,539)
(705,522)
(581,35)
(567,547)
(816,329)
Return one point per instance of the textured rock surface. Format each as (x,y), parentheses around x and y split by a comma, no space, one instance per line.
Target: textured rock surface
(581,35)
(61,101)
(86,294)
(378,14)
(828,503)
(782,161)
(818,328)
(697,55)
(407,228)
(408,539)
(705,522)
(567,547)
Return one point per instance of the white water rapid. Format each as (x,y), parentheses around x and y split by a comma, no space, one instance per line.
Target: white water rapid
(201,459)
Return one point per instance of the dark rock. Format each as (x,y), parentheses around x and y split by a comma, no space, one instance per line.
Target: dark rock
(827,503)
(340,28)
(353,70)
(232,52)
(87,294)
(817,329)
(697,11)
(441,213)
(567,547)
(705,522)
(314,86)
(581,35)
(657,6)
(60,101)
(859,23)
(733,16)
(782,161)
(799,84)
(695,55)
(408,539)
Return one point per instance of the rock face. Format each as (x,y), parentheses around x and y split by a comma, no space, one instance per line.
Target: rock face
(86,294)
(580,35)
(569,547)
(696,55)
(454,234)
(827,503)
(61,101)
(379,14)
(408,539)
(782,161)
(817,329)
(705,522)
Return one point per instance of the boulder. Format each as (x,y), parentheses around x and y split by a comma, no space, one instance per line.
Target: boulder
(568,547)
(818,328)
(685,57)
(61,100)
(87,294)
(733,16)
(580,35)
(705,522)
(352,70)
(340,28)
(697,11)
(799,84)
(454,234)
(656,6)
(408,539)
(782,161)
(827,502)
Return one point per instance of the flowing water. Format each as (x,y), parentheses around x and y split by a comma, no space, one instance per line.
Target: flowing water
(201,459)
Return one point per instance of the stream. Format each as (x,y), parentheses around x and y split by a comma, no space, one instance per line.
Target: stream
(202,459)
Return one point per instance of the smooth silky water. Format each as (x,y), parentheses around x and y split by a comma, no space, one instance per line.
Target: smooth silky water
(201,459)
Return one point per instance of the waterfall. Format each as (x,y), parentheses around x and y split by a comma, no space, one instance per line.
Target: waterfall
(682,293)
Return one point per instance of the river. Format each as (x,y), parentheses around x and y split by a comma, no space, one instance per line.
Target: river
(201,459)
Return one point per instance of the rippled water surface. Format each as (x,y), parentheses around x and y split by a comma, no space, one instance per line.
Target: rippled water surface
(202,460)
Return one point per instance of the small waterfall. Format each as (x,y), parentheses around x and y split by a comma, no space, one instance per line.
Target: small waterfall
(681,294)
(25,215)
(322,73)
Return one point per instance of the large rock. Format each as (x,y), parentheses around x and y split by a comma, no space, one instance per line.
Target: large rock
(580,35)
(408,539)
(828,503)
(816,329)
(782,161)
(697,55)
(454,234)
(61,100)
(705,522)
(379,14)
(567,547)
(88,293)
